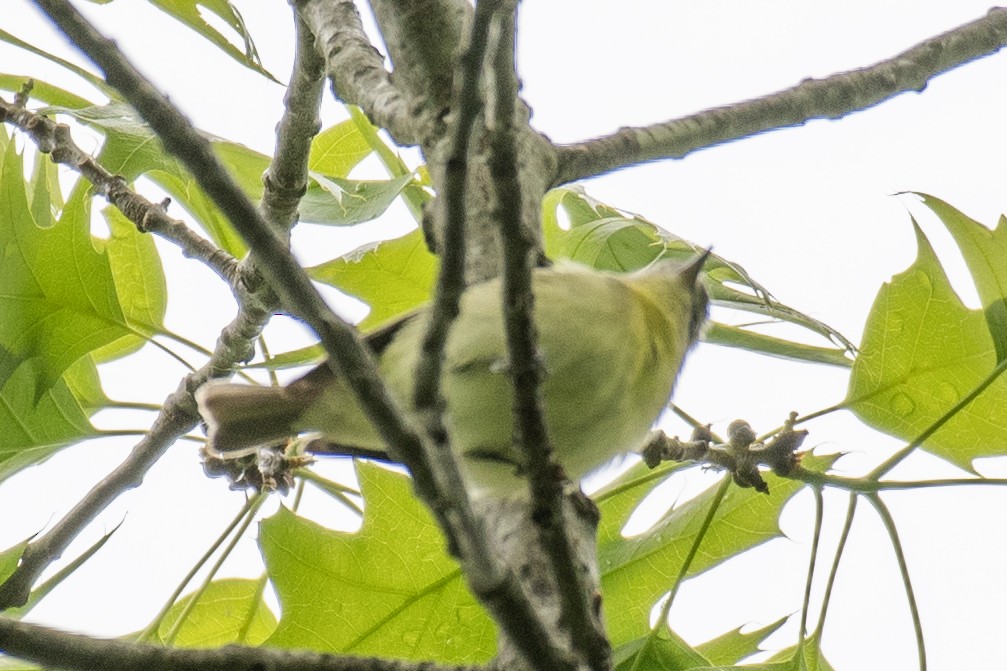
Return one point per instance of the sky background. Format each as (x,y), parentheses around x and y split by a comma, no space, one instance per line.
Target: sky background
(809,212)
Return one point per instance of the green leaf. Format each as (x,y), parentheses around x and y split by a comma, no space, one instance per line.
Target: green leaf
(393,277)
(338,149)
(603,237)
(43,91)
(91,78)
(59,299)
(734,646)
(387,590)
(734,336)
(139,283)
(31,431)
(922,352)
(637,571)
(131,149)
(814,660)
(663,650)
(985,253)
(338,201)
(190,13)
(10,558)
(83,382)
(230,611)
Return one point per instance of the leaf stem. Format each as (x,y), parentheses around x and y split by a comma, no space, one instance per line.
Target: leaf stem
(812,560)
(662,619)
(244,514)
(900,557)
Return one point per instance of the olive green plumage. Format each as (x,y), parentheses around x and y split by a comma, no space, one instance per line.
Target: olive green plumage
(611,344)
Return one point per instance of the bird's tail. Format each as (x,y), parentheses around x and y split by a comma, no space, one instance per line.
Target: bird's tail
(241,417)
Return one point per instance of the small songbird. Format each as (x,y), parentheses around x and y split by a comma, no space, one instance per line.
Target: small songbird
(611,346)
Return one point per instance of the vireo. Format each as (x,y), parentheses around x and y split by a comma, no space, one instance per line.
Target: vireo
(611,346)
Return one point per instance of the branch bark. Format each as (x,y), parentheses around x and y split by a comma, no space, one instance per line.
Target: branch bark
(830,98)
(54,139)
(60,650)
(356,69)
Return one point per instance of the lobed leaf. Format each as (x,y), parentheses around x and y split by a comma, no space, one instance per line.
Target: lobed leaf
(229,611)
(393,277)
(389,589)
(637,571)
(922,352)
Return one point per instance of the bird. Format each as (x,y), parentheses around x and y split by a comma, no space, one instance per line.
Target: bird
(611,346)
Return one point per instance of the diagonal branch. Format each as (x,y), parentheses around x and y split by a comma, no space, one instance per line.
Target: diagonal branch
(830,98)
(355,68)
(285,180)
(178,416)
(54,139)
(60,650)
(498,590)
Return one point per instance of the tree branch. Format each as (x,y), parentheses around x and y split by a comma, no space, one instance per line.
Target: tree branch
(519,251)
(54,139)
(423,40)
(498,590)
(61,650)
(356,69)
(286,180)
(830,98)
(178,416)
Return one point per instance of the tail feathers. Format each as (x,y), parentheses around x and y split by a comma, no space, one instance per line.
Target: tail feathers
(245,416)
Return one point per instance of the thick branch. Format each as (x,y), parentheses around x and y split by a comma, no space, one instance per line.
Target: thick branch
(830,98)
(423,40)
(59,650)
(356,69)
(498,590)
(54,139)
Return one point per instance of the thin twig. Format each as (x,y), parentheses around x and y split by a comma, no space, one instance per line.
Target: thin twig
(60,650)
(830,98)
(900,557)
(286,180)
(54,139)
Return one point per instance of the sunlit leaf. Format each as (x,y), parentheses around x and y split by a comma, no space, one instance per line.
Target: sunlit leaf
(922,352)
(338,149)
(91,78)
(386,590)
(985,252)
(59,300)
(637,571)
(230,611)
(393,277)
(814,660)
(189,12)
(49,94)
(734,646)
(339,201)
(663,650)
(31,431)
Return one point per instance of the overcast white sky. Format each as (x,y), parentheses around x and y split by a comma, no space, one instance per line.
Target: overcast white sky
(808,211)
